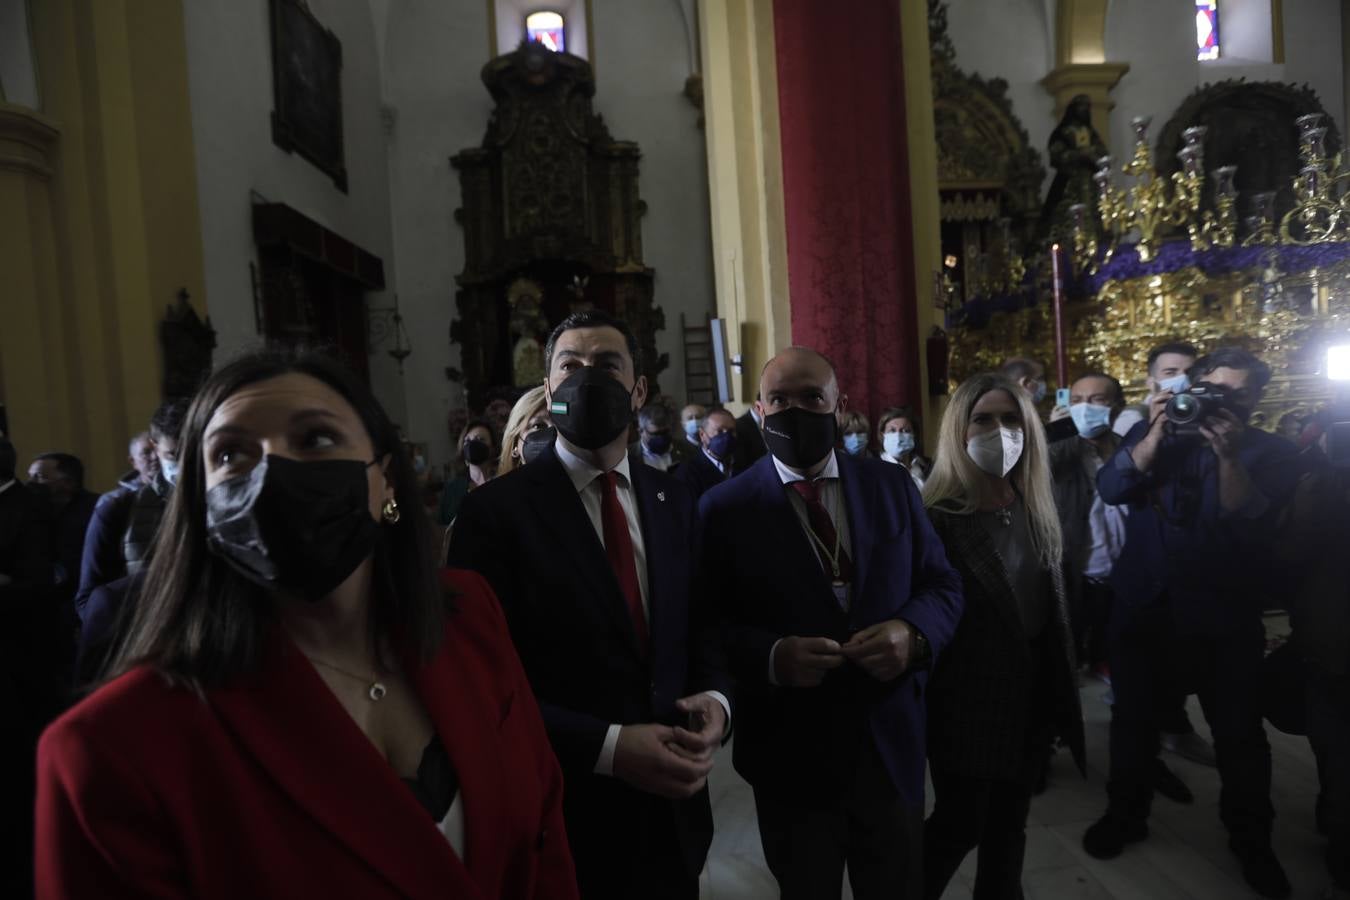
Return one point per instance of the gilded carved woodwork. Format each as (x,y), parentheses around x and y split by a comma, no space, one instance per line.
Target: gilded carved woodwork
(552,197)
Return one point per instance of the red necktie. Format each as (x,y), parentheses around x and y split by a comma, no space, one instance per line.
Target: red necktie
(619,550)
(823,528)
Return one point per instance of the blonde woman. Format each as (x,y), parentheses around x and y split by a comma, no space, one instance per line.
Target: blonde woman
(528,417)
(1005,685)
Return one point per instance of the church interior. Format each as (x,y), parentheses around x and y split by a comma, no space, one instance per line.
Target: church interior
(918,189)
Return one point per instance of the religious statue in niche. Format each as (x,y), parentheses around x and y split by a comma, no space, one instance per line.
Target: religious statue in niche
(1075,148)
(529,328)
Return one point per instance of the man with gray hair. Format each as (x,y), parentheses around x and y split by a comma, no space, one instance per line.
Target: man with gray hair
(656,445)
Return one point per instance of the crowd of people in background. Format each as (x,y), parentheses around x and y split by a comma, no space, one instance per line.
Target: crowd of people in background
(275,647)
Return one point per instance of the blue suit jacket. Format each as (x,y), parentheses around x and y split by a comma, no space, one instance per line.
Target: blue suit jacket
(527,533)
(699,474)
(765,583)
(1215,568)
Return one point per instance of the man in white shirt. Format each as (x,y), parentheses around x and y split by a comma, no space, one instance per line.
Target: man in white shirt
(591,557)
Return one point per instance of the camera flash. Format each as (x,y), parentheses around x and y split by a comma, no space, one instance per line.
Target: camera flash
(1338,362)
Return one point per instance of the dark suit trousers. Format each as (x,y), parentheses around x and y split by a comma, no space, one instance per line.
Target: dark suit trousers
(990,814)
(1147,656)
(1328,698)
(626,848)
(809,839)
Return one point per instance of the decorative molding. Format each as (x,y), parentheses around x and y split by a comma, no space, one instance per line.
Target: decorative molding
(27,139)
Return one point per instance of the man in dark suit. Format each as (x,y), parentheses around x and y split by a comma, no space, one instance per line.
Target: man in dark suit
(749,442)
(834,594)
(61,477)
(1189,587)
(714,462)
(32,675)
(590,554)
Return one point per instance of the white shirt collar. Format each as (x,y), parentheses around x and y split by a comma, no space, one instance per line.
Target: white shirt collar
(721,466)
(787,476)
(583,473)
(8,484)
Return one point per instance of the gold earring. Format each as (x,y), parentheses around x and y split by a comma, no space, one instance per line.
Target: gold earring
(391,512)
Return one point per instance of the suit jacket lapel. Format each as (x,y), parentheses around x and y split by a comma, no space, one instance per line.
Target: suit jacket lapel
(456,707)
(786,528)
(861,534)
(559,507)
(652,521)
(286,717)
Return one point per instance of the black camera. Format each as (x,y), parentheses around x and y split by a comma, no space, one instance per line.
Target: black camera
(1187,411)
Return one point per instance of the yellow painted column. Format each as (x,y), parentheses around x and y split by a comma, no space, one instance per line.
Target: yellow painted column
(745,182)
(1080,62)
(102,233)
(924,200)
(32,366)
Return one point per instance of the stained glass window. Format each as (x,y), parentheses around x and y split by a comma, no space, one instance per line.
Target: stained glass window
(547,28)
(1206,29)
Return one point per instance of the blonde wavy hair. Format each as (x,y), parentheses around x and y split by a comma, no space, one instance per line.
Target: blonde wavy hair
(958,485)
(530,404)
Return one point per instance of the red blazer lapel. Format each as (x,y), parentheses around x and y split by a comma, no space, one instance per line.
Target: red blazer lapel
(286,718)
(461,704)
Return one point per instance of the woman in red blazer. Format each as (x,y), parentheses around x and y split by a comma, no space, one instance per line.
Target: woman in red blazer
(297,707)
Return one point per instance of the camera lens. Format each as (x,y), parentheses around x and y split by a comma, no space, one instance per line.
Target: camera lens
(1183,408)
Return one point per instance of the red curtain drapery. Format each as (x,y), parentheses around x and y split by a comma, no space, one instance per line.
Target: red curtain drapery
(846,194)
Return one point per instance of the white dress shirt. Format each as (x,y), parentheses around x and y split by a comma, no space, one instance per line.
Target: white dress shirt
(832,498)
(721,466)
(452,826)
(1106,525)
(586,479)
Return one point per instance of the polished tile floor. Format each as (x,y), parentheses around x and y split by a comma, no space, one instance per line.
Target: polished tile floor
(1186,855)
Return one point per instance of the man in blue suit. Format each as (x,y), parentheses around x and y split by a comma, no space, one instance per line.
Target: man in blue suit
(1189,586)
(714,461)
(834,595)
(591,557)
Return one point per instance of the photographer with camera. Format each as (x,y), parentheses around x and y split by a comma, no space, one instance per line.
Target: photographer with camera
(1203,491)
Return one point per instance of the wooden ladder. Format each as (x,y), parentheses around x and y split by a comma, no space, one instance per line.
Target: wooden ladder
(700,384)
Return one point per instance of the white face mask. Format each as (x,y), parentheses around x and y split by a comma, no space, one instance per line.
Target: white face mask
(996,452)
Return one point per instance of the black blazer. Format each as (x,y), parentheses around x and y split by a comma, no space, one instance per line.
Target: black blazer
(528,534)
(700,474)
(749,442)
(25,541)
(979,709)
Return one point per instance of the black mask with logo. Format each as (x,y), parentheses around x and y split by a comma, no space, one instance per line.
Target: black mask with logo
(591,408)
(298,527)
(537,443)
(799,438)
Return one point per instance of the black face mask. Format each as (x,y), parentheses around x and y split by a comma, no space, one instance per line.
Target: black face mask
(476,452)
(300,527)
(537,444)
(800,438)
(591,408)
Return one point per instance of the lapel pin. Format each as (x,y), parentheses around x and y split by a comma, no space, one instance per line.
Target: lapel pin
(661,495)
